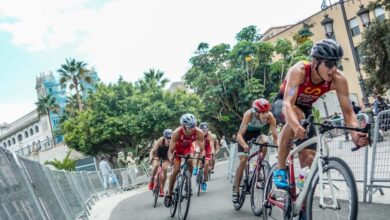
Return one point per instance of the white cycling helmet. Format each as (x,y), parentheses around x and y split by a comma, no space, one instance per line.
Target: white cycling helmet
(188,120)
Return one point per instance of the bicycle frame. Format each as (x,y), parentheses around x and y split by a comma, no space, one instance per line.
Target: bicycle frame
(322,152)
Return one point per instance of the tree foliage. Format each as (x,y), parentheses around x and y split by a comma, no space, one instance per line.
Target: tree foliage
(375,48)
(127,116)
(228,79)
(65,164)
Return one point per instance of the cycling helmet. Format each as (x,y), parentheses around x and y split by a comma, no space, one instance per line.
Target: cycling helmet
(327,49)
(188,120)
(261,105)
(204,126)
(167,133)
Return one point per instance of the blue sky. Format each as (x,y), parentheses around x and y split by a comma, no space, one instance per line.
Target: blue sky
(120,37)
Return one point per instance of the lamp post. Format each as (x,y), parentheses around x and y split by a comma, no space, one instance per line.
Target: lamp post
(327,23)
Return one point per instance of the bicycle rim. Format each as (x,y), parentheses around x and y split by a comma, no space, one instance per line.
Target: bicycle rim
(156,191)
(257,190)
(184,196)
(175,196)
(199,181)
(344,188)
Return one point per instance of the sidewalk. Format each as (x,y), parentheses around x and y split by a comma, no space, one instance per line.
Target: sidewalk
(102,209)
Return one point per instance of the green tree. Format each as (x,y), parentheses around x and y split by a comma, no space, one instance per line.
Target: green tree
(249,33)
(46,105)
(375,48)
(71,75)
(65,164)
(124,116)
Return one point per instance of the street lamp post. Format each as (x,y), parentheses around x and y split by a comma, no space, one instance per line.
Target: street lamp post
(363,13)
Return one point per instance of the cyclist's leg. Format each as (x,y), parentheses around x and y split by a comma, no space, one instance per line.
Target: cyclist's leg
(240,171)
(164,173)
(154,171)
(206,167)
(172,177)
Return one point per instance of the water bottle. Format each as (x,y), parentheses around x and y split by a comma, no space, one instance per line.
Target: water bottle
(301,177)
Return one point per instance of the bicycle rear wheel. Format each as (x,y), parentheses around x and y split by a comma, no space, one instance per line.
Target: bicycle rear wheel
(175,196)
(184,196)
(257,187)
(338,177)
(199,179)
(156,191)
(243,190)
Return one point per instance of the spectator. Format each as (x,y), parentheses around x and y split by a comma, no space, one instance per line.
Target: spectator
(356,108)
(122,164)
(234,139)
(223,142)
(105,168)
(132,168)
(380,105)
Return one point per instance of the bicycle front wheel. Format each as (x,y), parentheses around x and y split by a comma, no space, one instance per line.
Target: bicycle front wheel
(175,196)
(340,198)
(257,187)
(184,196)
(199,179)
(156,190)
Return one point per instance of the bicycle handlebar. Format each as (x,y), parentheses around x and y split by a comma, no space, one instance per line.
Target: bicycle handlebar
(327,126)
(254,143)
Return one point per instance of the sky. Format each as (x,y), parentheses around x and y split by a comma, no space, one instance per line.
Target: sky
(120,37)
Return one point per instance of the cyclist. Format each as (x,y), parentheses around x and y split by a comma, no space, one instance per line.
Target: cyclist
(256,123)
(208,151)
(160,150)
(303,85)
(216,149)
(181,143)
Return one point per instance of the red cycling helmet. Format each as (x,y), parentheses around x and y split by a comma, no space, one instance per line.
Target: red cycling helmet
(261,105)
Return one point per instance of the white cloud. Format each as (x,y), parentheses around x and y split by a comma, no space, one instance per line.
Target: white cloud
(128,37)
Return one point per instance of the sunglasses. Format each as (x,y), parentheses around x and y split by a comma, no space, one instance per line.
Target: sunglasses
(331,63)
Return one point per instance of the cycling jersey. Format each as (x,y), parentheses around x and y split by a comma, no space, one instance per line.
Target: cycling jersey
(162,150)
(184,144)
(308,92)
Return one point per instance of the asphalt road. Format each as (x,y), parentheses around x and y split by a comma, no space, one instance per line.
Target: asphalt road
(216,204)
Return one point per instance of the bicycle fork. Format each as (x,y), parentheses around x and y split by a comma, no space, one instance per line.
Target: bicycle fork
(322,204)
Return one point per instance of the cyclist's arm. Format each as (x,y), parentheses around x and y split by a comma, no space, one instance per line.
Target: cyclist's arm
(155,147)
(172,144)
(244,125)
(200,139)
(273,128)
(294,78)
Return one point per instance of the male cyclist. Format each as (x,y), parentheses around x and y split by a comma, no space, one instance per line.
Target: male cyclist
(256,123)
(160,150)
(303,85)
(181,143)
(216,149)
(208,151)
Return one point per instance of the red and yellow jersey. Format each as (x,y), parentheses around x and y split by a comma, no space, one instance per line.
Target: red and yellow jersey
(308,92)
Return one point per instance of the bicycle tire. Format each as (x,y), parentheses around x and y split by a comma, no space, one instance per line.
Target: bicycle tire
(345,170)
(156,191)
(256,186)
(199,179)
(186,181)
(267,207)
(242,190)
(175,196)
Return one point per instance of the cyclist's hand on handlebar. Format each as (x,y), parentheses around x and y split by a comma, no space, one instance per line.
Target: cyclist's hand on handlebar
(360,139)
(300,132)
(246,148)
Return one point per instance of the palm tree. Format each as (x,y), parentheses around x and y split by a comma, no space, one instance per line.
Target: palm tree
(154,79)
(72,72)
(65,164)
(45,105)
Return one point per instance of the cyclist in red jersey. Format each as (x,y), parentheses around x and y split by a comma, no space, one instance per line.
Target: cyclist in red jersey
(208,151)
(181,143)
(160,150)
(303,85)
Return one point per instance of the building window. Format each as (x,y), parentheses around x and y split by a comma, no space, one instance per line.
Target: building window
(36,129)
(379,14)
(20,137)
(5,145)
(354,26)
(31,131)
(26,134)
(9,143)
(13,141)
(360,58)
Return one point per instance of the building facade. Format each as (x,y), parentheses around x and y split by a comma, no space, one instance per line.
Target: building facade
(33,133)
(355,27)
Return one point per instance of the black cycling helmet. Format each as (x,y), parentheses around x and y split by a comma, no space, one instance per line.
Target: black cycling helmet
(327,49)
(204,126)
(167,133)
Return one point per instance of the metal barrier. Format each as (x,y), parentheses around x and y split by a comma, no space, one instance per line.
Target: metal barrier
(380,165)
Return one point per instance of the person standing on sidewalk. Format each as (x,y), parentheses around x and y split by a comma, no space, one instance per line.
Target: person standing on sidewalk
(132,168)
(122,164)
(105,168)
